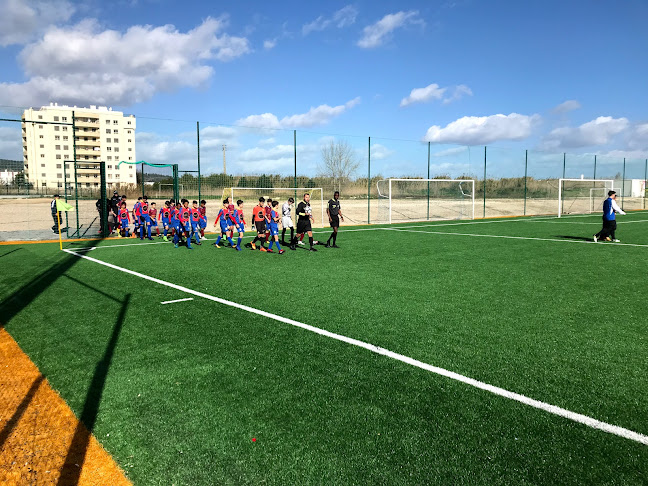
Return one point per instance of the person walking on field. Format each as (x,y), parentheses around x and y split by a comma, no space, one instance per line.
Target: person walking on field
(56,215)
(610,208)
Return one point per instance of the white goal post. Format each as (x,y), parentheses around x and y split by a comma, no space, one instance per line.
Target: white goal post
(448,198)
(577,196)
(252,194)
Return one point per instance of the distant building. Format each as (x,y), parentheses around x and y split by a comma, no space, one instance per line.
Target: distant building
(101,134)
(9,169)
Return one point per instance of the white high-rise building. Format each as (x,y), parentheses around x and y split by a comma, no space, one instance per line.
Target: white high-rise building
(101,134)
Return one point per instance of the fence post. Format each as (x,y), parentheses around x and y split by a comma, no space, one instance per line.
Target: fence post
(594,167)
(74,156)
(369,182)
(645,179)
(198,142)
(623,184)
(428,184)
(526,164)
(564,163)
(142,179)
(484,181)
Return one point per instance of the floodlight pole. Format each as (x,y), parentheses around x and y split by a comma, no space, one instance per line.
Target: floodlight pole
(484,181)
(564,164)
(526,165)
(295,152)
(369,182)
(594,167)
(198,142)
(428,184)
(623,184)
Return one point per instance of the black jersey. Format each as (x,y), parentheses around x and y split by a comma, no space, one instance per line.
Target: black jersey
(303,211)
(334,208)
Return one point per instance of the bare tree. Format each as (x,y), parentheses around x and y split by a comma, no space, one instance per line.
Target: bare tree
(338,162)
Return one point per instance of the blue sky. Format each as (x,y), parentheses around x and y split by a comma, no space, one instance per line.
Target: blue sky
(548,76)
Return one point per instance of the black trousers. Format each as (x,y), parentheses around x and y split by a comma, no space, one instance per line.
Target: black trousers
(609,227)
(56,223)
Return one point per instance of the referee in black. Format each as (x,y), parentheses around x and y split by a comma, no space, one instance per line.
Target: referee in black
(334,215)
(304,218)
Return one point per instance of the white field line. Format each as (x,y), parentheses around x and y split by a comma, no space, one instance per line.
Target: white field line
(553,409)
(511,237)
(593,222)
(177,300)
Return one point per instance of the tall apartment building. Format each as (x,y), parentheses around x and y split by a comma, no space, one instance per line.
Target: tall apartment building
(101,135)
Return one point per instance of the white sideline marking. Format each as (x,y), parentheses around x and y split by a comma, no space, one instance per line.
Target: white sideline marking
(177,300)
(512,237)
(561,412)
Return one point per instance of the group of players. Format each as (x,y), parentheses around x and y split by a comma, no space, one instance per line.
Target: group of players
(185,223)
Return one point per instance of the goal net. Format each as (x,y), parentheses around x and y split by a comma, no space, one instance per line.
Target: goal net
(582,196)
(251,195)
(427,199)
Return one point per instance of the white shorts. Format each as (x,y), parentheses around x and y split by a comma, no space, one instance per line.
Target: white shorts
(286,222)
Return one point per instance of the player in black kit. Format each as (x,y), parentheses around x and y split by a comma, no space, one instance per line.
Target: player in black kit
(305,216)
(334,215)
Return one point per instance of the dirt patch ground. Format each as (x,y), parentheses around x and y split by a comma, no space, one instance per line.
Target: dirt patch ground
(41,441)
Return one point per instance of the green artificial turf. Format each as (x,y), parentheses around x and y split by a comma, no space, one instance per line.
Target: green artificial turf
(177,392)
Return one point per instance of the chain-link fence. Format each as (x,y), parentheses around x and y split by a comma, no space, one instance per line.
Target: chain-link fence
(216,160)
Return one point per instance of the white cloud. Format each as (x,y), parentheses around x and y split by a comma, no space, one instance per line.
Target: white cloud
(567,106)
(82,64)
(435,92)
(458,93)
(319,115)
(379,152)
(21,20)
(478,130)
(423,95)
(269,44)
(638,139)
(449,152)
(10,143)
(376,34)
(344,17)
(596,132)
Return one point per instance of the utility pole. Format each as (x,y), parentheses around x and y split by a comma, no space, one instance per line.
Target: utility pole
(224,163)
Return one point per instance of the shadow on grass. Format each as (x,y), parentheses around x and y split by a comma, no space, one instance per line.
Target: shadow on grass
(9,252)
(572,237)
(26,294)
(20,410)
(71,470)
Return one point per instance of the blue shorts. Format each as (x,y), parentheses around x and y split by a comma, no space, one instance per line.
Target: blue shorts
(274,229)
(202,224)
(240,228)
(165,221)
(153,222)
(145,218)
(194,225)
(123,223)
(224,227)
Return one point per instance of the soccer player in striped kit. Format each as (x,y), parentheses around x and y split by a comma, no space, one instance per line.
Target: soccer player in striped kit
(195,222)
(224,219)
(165,218)
(184,216)
(124,219)
(273,228)
(203,217)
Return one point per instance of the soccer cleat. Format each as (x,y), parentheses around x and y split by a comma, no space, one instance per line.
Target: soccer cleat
(216,245)
(165,238)
(238,248)
(263,249)
(616,241)
(335,246)
(312,249)
(198,244)
(281,252)
(253,246)
(301,243)
(175,245)
(595,238)
(151,239)
(292,247)
(327,245)
(269,250)
(608,239)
